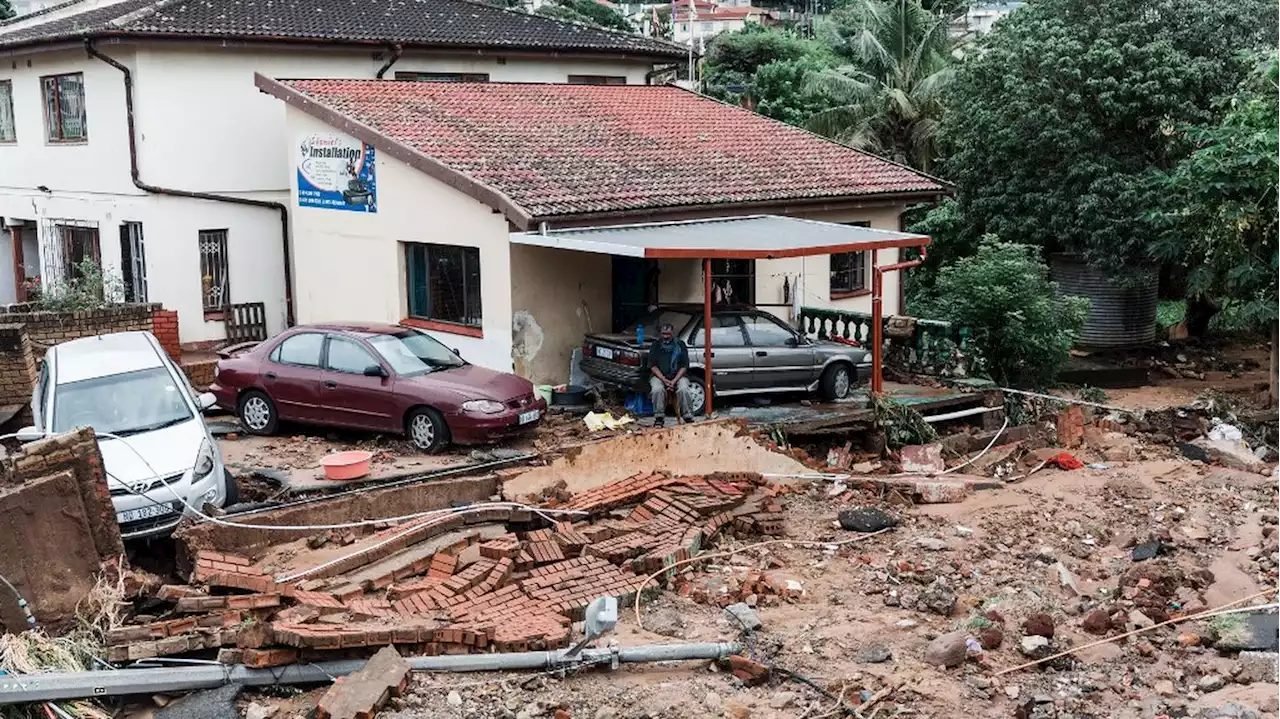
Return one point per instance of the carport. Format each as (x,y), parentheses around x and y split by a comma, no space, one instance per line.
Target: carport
(756,237)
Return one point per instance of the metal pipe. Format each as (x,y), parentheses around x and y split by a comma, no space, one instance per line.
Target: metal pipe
(961,413)
(57,686)
(396,51)
(135,175)
(707,383)
(877,315)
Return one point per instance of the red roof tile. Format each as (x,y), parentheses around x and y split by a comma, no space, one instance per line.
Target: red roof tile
(557,150)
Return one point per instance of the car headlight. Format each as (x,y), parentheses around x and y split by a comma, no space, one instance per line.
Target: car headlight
(484,406)
(204,462)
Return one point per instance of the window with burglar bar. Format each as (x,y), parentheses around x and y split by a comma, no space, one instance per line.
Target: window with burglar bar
(215,276)
(64,116)
(849,269)
(133,262)
(443,283)
(8,132)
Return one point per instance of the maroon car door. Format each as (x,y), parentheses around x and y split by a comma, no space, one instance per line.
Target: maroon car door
(291,377)
(350,394)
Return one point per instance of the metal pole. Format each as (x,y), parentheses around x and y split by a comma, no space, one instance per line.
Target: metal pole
(58,686)
(706,333)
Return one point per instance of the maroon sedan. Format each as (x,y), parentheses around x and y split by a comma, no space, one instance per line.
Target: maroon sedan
(385,378)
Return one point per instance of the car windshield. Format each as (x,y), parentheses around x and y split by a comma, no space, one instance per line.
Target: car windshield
(655,320)
(411,352)
(121,404)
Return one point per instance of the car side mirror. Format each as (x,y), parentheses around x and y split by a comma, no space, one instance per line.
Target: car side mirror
(29,434)
(206,400)
(374,370)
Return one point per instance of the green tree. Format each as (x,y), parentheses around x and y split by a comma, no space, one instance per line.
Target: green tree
(1219,222)
(889,94)
(1021,328)
(6,10)
(588,12)
(1056,120)
(766,69)
(781,90)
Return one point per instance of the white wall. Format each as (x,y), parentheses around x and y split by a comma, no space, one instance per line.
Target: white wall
(350,265)
(203,126)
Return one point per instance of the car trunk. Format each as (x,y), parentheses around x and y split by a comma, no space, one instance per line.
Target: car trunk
(620,348)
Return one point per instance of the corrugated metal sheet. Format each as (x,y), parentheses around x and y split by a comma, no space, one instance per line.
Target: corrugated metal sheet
(1119,316)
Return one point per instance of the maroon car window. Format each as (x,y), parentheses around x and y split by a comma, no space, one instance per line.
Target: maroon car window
(347,356)
(302,349)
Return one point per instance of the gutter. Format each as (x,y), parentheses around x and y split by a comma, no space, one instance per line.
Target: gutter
(157,190)
(396,51)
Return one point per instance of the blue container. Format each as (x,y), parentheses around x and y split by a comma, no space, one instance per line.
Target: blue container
(640,334)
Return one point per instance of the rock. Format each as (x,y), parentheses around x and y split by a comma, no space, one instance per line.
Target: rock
(1147,550)
(872,655)
(740,616)
(1066,579)
(948,650)
(923,459)
(260,711)
(713,701)
(933,544)
(1038,625)
(937,598)
(1230,710)
(1012,691)
(866,519)
(1210,683)
(607,712)
(990,638)
(782,700)
(905,624)
(1188,639)
(532,710)
(962,531)
(1231,455)
(1140,620)
(1165,688)
(1034,647)
(665,621)
(1258,666)
(454,699)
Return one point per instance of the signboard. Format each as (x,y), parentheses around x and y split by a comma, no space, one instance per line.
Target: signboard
(336,172)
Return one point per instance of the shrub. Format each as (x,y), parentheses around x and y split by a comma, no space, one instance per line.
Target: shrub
(1021,328)
(88,288)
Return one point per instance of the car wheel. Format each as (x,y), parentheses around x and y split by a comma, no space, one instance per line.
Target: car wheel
(427,429)
(257,413)
(697,396)
(837,380)
(233,490)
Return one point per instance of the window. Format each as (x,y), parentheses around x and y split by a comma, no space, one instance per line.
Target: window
(347,356)
(74,245)
(123,404)
(444,283)
(64,118)
(8,133)
(443,76)
(764,331)
(597,80)
(300,349)
(215,281)
(849,270)
(733,282)
(706,26)
(413,353)
(133,262)
(726,331)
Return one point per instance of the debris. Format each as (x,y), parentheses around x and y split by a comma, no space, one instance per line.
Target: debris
(873,655)
(1252,632)
(990,638)
(905,624)
(962,531)
(1232,455)
(938,598)
(361,694)
(948,650)
(1034,647)
(1038,625)
(260,711)
(1256,666)
(1065,460)
(216,703)
(1147,550)
(665,621)
(597,421)
(782,700)
(1210,683)
(1066,579)
(454,699)
(750,672)
(743,617)
(866,519)
(923,459)
(1097,622)
(932,544)
(1140,620)
(1165,688)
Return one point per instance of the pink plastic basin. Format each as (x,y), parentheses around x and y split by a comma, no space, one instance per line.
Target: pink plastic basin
(346,465)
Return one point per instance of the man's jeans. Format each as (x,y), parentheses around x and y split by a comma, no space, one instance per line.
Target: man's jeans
(658,396)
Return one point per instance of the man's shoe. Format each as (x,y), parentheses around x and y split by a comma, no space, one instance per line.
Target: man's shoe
(687,419)
(659,421)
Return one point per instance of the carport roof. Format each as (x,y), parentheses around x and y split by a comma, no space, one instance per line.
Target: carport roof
(751,237)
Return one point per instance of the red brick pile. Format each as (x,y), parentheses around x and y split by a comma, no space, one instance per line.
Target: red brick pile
(426,593)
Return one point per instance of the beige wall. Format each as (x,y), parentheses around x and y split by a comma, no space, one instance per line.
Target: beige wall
(350,265)
(557,296)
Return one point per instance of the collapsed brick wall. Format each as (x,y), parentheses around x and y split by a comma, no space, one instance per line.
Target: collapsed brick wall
(17,366)
(57,526)
(45,329)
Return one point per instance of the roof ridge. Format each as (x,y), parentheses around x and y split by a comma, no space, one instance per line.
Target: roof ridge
(145,11)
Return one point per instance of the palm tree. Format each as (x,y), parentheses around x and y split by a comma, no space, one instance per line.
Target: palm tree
(900,57)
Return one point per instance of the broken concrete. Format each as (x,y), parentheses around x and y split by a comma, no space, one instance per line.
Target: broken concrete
(362,694)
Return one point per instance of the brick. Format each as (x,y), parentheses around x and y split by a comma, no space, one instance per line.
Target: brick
(174,592)
(264,658)
(230,656)
(360,694)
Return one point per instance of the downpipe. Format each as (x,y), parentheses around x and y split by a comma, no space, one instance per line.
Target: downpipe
(59,686)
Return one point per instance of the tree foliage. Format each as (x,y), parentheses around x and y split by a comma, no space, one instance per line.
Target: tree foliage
(1054,123)
(6,10)
(1003,294)
(588,12)
(897,62)
(782,90)
(1219,218)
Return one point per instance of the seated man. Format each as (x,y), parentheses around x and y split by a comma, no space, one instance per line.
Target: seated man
(668,363)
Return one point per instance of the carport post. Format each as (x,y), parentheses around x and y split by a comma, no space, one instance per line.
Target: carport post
(706,333)
(877,314)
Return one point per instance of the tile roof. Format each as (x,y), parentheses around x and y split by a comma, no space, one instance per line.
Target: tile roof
(445,23)
(557,150)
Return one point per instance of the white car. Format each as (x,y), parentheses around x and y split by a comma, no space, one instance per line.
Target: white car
(125,385)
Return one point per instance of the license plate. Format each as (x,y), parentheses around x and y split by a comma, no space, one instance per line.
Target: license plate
(604,352)
(530,416)
(147,512)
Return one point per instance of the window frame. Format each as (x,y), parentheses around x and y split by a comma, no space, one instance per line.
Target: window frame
(602,80)
(431,76)
(425,321)
(50,121)
(6,91)
(749,276)
(276,355)
(210,312)
(850,289)
(331,338)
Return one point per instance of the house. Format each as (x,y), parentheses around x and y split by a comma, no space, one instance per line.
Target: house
(131,133)
(981,17)
(706,20)
(469,184)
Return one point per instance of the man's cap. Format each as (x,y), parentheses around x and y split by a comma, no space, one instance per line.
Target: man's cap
(667,327)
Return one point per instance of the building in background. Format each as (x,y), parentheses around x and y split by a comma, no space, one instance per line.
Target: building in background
(982,16)
(695,23)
